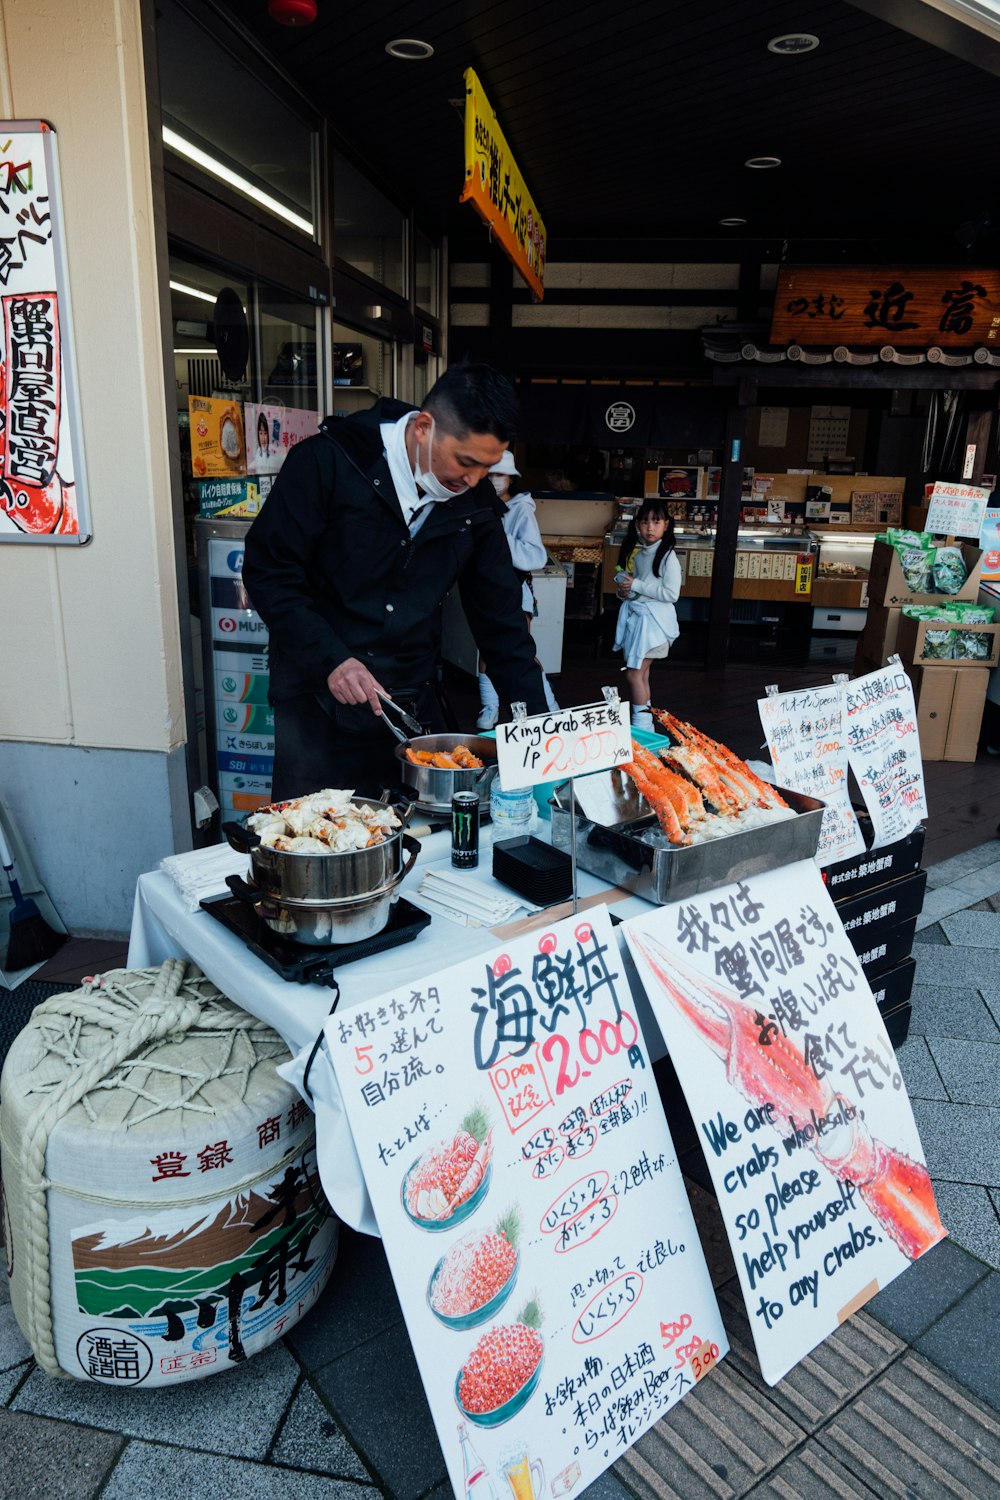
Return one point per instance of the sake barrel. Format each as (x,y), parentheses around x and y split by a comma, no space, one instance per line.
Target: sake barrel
(163,1214)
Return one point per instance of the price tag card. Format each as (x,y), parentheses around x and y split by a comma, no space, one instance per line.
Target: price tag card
(793,1084)
(532,1208)
(956,509)
(569,742)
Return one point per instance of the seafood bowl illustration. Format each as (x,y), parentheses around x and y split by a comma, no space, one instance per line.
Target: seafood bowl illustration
(470,1284)
(502,1373)
(446,1185)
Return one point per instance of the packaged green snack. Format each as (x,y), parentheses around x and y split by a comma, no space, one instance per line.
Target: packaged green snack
(938,645)
(950,571)
(898,537)
(973,614)
(917,564)
(972,646)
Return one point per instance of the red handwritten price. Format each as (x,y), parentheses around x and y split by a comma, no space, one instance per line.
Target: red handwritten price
(592,1046)
(704,1359)
(588,752)
(671,1332)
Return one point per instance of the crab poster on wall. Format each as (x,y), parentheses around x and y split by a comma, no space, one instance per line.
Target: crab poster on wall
(795,1089)
(42,481)
(532,1208)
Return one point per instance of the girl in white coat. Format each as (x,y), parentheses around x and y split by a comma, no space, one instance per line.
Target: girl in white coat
(649,585)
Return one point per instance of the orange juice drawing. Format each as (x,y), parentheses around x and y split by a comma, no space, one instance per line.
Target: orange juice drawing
(525,1476)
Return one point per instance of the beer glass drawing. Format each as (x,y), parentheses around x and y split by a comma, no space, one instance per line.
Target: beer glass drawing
(525,1476)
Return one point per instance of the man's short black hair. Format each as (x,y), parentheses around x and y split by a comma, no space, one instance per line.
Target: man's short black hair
(473,398)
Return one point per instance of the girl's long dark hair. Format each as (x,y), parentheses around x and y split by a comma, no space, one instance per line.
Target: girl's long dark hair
(654,507)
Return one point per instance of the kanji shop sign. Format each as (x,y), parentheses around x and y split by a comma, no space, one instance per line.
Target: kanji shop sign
(853,305)
(795,1089)
(531,1206)
(495,188)
(42,484)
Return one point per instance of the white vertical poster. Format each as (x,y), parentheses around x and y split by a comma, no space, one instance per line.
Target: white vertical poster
(43,495)
(794,1086)
(883,748)
(532,1209)
(807,741)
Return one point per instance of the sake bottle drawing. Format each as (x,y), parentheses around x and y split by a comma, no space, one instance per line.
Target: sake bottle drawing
(478,1480)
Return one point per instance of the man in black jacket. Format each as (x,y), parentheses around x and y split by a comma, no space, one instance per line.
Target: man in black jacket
(367,527)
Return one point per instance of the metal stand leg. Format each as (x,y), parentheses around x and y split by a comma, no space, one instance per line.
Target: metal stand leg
(572,841)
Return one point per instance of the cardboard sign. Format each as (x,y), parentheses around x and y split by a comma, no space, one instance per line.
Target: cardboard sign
(794,1086)
(531,1206)
(805,736)
(883,748)
(569,742)
(956,509)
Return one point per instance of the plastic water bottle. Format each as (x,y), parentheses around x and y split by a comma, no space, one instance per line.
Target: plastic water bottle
(512,811)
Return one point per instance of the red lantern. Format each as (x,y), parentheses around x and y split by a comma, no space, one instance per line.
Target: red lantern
(292,12)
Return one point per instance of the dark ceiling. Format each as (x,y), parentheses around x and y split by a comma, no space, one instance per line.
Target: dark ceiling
(633,121)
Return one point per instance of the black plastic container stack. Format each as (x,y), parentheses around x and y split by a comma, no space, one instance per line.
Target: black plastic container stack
(879,896)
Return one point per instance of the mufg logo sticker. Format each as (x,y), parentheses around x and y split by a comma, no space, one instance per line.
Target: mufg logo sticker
(620,416)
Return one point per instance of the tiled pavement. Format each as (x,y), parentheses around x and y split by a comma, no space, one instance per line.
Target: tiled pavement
(903,1400)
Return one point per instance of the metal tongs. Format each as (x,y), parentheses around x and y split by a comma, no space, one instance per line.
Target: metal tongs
(412,724)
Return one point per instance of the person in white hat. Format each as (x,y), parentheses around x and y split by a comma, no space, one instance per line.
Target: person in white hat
(527,551)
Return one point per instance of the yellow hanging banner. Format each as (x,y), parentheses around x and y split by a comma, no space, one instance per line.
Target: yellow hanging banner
(495,188)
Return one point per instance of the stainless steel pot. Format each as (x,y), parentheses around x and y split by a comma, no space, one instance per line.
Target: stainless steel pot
(322,923)
(330,878)
(434,787)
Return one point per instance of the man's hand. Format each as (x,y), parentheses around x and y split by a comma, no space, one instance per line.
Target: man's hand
(352,682)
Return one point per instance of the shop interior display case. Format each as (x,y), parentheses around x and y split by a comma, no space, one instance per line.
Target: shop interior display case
(840,587)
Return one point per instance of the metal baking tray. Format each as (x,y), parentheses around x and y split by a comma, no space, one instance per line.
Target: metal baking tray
(672,873)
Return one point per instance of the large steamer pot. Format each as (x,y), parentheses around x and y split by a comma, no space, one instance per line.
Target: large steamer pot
(323,898)
(435,787)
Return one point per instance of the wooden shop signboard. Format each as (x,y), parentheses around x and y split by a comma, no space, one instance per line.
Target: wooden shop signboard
(947,307)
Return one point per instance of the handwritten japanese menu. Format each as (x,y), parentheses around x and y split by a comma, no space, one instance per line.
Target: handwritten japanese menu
(794,1086)
(532,1209)
(805,736)
(42,482)
(569,742)
(883,747)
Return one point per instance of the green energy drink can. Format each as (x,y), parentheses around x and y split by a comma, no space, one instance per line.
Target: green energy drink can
(465,830)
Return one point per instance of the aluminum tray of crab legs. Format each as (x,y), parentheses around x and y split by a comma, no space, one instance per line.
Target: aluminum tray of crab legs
(684,818)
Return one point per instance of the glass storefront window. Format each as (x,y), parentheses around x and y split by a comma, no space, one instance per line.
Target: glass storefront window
(288,365)
(363,369)
(425,273)
(223,118)
(368,230)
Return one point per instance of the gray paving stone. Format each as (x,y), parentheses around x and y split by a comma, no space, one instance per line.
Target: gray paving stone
(14,1347)
(966,863)
(827,1378)
(939,1010)
(311,1439)
(969,1215)
(970,1070)
(964,968)
(725,1436)
(940,903)
(42,1460)
(150,1472)
(991,999)
(978,884)
(11,1379)
(961,1141)
(914,1432)
(927,1289)
(973,929)
(964,1341)
(712,1233)
(812,1474)
(922,1079)
(236,1413)
(606,1486)
(362,1386)
(359,1301)
(932,933)
(4,1283)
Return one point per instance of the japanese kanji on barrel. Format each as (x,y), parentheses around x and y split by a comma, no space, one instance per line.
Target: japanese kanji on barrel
(163,1213)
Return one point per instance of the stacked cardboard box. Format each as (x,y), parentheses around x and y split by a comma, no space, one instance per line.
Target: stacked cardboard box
(878,896)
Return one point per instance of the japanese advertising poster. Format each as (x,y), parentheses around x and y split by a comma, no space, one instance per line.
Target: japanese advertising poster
(531,1207)
(795,1089)
(42,481)
(807,741)
(216,433)
(271,431)
(883,748)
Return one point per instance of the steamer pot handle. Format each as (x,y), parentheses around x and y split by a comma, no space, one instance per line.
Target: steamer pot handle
(251,897)
(412,847)
(239,838)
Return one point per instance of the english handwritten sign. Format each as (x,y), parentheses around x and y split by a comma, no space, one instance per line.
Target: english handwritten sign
(806,739)
(794,1087)
(883,749)
(569,742)
(531,1206)
(43,496)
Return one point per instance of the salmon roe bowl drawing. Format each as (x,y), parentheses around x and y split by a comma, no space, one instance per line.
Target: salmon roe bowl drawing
(470,1284)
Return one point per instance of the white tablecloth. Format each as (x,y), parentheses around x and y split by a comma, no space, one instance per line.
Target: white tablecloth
(163,928)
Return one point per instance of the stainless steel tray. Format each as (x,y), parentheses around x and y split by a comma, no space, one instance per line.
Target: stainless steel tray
(670,874)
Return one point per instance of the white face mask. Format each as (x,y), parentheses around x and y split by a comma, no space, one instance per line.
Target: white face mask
(426,479)
(499,483)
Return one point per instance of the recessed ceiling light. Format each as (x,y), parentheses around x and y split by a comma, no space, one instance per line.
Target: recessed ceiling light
(409,49)
(758,163)
(732,223)
(793,43)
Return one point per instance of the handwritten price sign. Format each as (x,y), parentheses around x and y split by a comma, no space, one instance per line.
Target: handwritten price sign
(571,742)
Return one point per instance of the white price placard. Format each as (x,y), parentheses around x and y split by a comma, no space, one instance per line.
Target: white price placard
(956,509)
(531,1206)
(806,739)
(569,742)
(883,748)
